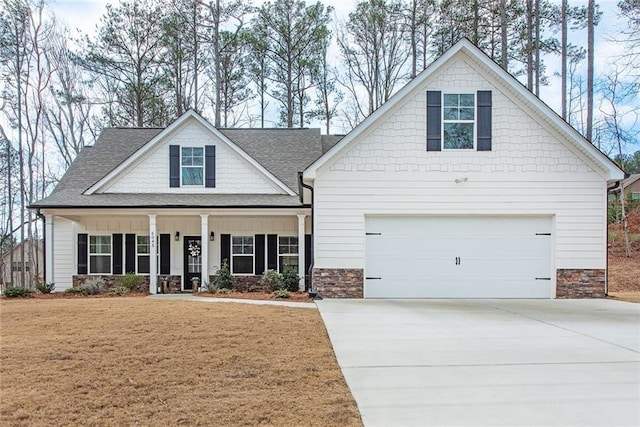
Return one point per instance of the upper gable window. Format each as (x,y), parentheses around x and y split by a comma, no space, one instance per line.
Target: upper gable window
(192,164)
(458,121)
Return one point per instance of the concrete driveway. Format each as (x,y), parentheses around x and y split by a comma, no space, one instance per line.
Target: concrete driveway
(489,362)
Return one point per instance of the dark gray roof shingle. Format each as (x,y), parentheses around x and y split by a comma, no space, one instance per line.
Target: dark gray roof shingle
(283,152)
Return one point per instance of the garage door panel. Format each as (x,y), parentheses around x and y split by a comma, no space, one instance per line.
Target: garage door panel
(458,257)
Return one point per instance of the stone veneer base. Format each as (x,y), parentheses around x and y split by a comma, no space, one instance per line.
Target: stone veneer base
(338,282)
(580,283)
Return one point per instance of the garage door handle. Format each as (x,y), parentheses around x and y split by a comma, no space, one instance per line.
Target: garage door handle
(373,278)
(458,260)
(543,278)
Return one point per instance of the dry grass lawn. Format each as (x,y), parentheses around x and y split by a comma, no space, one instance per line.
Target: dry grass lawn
(134,361)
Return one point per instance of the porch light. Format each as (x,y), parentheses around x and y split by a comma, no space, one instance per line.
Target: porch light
(212,236)
(177,236)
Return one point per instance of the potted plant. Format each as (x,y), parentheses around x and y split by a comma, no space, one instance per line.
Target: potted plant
(164,284)
(195,284)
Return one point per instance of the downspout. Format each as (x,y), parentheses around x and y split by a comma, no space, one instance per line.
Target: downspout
(311,251)
(44,245)
(606,274)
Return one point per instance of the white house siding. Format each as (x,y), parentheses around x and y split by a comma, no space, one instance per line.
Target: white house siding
(64,249)
(65,232)
(151,174)
(529,171)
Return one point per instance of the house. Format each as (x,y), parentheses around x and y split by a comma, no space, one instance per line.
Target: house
(632,187)
(463,185)
(11,268)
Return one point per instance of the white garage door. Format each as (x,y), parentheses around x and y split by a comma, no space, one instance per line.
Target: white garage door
(458,257)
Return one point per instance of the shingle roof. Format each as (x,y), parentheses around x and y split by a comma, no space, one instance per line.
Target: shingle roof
(632,178)
(283,152)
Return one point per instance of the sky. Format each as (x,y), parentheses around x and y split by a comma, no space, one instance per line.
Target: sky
(84,15)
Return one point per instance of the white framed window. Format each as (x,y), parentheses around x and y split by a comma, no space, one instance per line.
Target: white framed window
(242,252)
(100,254)
(287,253)
(634,196)
(458,121)
(192,165)
(143,254)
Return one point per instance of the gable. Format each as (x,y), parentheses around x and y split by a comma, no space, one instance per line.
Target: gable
(481,73)
(520,143)
(150,173)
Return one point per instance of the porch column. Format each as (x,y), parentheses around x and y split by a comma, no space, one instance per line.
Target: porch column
(204,238)
(153,250)
(48,250)
(301,260)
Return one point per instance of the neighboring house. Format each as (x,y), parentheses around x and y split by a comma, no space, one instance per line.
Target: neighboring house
(33,264)
(463,184)
(632,187)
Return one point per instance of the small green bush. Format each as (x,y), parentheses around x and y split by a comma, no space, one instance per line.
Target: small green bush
(271,280)
(130,281)
(76,290)
(290,280)
(94,286)
(281,293)
(223,278)
(121,290)
(17,291)
(45,288)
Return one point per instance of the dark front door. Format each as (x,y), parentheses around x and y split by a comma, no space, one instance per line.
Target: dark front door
(192,261)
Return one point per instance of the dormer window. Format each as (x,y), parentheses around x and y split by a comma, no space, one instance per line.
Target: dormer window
(192,165)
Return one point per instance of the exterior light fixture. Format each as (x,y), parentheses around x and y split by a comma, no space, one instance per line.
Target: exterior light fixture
(212,236)
(177,237)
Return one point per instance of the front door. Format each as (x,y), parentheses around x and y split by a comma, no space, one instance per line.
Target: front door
(192,262)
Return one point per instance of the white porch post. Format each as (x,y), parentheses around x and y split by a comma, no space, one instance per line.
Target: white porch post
(204,236)
(153,250)
(301,260)
(48,250)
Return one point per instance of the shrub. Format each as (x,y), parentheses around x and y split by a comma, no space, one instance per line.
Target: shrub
(76,290)
(45,288)
(130,281)
(121,290)
(212,286)
(271,280)
(224,291)
(281,293)
(223,278)
(290,280)
(94,286)
(17,291)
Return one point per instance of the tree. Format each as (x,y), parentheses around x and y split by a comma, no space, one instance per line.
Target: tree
(590,71)
(127,55)
(234,82)
(630,10)
(294,36)
(328,97)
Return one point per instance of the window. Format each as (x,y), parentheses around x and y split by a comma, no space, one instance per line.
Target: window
(242,254)
(287,253)
(192,162)
(458,121)
(634,196)
(17,266)
(99,254)
(142,254)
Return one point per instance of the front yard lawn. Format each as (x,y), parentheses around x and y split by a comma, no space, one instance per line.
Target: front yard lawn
(134,361)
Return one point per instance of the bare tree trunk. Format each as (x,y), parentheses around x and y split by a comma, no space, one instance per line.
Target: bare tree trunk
(563,53)
(503,35)
(216,60)
(530,45)
(195,55)
(537,48)
(590,59)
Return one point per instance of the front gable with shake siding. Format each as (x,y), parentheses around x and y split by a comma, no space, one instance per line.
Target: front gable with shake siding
(463,185)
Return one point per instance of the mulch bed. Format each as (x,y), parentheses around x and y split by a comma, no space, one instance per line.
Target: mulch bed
(295,296)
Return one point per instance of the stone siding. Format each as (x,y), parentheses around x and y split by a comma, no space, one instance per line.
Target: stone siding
(338,282)
(580,283)
(110,281)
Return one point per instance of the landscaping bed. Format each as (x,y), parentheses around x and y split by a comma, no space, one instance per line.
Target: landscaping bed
(293,296)
(135,361)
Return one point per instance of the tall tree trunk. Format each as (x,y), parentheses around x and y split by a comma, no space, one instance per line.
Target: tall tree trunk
(563,53)
(537,47)
(530,45)
(216,61)
(590,58)
(503,35)
(195,55)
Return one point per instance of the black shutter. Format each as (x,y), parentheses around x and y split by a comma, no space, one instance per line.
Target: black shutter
(272,251)
(484,120)
(116,254)
(434,120)
(130,253)
(259,254)
(165,254)
(83,253)
(225,249)
(210,166)
(174,166)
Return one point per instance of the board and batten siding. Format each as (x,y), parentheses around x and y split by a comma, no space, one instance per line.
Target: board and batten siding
(528,172)
(64,253)
(151,174)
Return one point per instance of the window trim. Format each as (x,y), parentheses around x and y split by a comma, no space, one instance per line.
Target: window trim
(297,254)
(474,121)
(90,254)
(182,184)
(252,255)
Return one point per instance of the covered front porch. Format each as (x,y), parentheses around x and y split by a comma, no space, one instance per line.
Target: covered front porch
(176,250)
